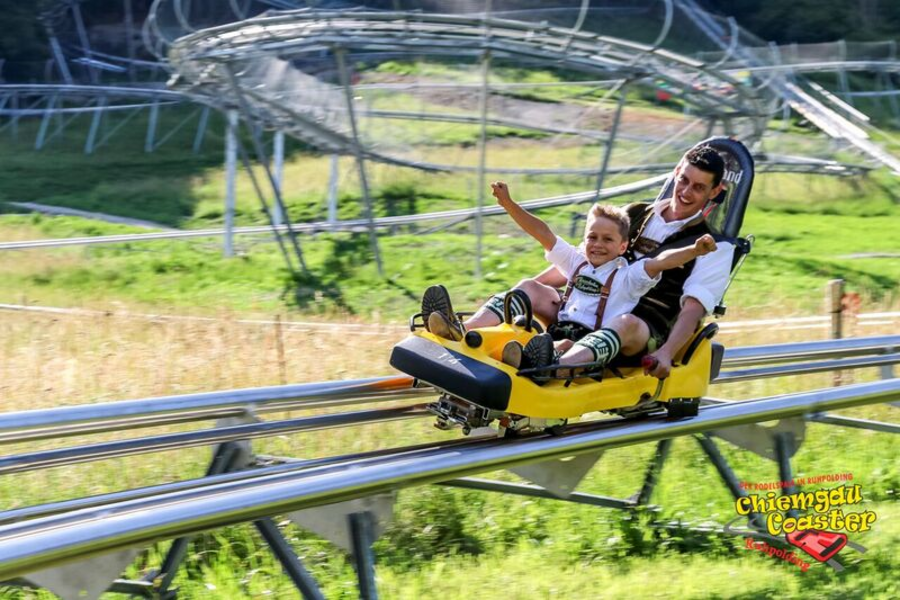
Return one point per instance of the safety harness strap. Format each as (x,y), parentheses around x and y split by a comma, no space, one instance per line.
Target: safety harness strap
(604,296)
(604,293)
(570,286)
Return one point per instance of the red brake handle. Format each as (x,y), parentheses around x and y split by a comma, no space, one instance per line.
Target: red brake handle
(649,363)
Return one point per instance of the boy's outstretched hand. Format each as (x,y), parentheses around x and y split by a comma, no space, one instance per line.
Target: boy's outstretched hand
(705,245)
(501,192)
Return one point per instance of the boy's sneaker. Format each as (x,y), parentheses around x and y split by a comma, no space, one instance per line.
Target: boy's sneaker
(441,327)
(436,300)
(538,352)
(512,354)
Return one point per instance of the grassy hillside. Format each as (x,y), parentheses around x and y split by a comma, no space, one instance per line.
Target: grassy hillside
(808,230)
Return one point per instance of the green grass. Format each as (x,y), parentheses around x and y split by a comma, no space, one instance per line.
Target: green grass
(801,243)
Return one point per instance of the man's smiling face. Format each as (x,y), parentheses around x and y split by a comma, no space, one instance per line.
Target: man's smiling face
(693,188)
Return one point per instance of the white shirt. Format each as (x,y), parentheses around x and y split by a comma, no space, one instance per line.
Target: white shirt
(708,280)
(630,284)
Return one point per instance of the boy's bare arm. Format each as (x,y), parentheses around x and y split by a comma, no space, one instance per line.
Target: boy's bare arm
(529,223)
(676,257)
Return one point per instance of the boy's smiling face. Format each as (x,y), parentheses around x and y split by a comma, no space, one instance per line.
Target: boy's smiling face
(602,241)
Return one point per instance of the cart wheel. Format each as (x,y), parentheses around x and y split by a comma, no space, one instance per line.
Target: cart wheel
(511,434)
(683,407)
(556,430)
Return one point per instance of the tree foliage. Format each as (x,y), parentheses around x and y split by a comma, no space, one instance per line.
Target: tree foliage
(810,21)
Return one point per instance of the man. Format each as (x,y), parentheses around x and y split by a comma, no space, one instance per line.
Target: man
(667,316)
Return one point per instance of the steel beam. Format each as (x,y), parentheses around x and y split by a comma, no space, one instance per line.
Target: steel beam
(173,441)
(60,539)
(357,148)
(58,422)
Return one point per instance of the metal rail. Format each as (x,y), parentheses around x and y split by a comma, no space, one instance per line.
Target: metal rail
(198,57)
(54,423)
(191,439)
(779,353)
(290,465)
(135,446)
(778,165)
(93,418)
(59,539)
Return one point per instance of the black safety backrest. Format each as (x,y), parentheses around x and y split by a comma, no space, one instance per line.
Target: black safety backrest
(727,217)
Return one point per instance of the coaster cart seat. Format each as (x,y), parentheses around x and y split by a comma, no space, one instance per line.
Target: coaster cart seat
(477,388)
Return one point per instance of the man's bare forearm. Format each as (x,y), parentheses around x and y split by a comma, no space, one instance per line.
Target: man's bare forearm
(684,327)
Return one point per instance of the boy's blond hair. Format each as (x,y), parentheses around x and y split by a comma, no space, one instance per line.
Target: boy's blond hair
(613,213)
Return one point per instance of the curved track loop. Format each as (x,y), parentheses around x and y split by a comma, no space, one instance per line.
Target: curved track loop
(311,108)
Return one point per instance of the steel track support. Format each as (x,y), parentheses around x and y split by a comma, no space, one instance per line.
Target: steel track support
(227,457)
(828,419)
(653,472)
(175,129)
(111,130)
(724,469)
(45,122)
(278,167)
(482,155)
(151,127)
(288,559)
(887,79)
(14,121)
(358,153)
(230,457)
(58,56)
(202,123)
(129,39)
(85,42)
(230,182)
(534,491)
(333,176)
(362,537)
(263,160)
(844,83)
(784,449)
(611,140)
(96,120)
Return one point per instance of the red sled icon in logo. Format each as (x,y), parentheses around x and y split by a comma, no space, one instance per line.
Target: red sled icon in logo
(821,545)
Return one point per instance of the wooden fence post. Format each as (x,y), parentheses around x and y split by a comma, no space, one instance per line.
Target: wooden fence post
(834,294)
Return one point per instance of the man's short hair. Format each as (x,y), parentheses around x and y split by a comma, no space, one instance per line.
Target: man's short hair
(613,213)
(707,159)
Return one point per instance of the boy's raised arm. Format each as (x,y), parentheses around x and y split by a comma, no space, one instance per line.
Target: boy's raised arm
(529,223)
(676,257)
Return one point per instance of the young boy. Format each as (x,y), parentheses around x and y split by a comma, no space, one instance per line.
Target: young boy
(602,286)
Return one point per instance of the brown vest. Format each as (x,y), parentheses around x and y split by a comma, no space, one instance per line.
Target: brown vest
(660,306)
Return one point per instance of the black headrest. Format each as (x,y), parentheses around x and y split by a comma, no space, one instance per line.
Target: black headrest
(728,217)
